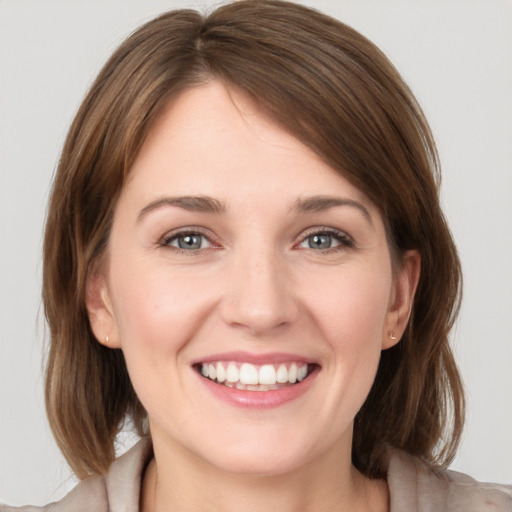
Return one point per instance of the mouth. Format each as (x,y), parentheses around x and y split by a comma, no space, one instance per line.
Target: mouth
(255,377)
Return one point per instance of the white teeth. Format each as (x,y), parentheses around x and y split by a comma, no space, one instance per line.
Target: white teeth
(248,374)
(301,373)
(259,388)
(232,373)
(221,373)
(267,375)
(292,373)
(282,374)
(255,378)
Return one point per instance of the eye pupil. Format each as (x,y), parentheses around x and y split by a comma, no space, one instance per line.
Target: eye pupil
(189,242)
(321,241)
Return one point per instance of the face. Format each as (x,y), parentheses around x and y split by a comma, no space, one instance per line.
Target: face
(250,288)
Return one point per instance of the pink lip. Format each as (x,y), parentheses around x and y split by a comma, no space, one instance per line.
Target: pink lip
(259,399)
(258,359)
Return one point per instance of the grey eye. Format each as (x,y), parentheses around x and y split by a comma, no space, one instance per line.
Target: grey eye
(326,239)
(189,241)
(319,241)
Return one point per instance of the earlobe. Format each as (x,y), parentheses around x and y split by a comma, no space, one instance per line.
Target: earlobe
(402,301)
(100,310)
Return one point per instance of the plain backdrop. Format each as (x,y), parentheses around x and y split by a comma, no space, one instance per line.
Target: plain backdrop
(456,56)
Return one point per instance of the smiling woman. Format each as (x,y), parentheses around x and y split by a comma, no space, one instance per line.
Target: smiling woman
(245,256)
(231,286)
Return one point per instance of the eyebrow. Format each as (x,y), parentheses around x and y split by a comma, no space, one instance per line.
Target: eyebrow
(203,204)
(315,204)
(206,204)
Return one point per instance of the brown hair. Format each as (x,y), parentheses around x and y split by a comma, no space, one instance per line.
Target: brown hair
(338,94)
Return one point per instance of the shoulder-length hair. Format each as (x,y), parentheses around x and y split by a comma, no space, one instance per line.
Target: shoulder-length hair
(337,93)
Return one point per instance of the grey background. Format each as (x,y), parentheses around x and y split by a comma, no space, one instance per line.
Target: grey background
(457,57)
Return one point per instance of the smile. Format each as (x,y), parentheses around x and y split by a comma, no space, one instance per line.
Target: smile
(253,377)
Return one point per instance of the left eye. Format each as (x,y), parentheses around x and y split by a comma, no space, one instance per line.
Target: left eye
(324,241)
(188,241)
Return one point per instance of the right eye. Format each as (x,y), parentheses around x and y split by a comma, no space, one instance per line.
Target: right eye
(188,241)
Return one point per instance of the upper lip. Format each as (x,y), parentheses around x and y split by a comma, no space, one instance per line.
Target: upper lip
(256,359)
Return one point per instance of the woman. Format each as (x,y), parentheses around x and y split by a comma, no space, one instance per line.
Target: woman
(245,256)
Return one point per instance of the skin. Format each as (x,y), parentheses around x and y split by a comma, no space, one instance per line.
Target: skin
(257,284)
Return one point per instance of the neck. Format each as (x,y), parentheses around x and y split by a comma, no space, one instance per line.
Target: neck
(177,481)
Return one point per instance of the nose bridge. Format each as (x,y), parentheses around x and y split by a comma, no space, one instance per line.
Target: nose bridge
(261,296)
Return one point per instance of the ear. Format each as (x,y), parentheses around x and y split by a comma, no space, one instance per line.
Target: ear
(99,308)
(402,298)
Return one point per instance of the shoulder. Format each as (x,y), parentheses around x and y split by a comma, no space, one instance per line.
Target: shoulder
(415,486)
(89,494)
(116,491)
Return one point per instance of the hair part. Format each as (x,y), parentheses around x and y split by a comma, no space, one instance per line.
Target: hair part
(337,93)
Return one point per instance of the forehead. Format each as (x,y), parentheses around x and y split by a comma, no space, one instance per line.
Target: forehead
(216,141)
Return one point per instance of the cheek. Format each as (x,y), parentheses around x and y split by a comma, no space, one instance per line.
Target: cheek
(352,310)
(156,315)
(157,312)
(351,316)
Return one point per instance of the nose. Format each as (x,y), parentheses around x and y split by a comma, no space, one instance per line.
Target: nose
(259,296)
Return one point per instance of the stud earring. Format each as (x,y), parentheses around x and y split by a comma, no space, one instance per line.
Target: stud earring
(392,336)
(107,340)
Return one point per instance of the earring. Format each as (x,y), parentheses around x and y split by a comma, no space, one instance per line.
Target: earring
(107,340)
(392,336)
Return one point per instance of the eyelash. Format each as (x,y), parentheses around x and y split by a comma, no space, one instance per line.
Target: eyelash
(343,239)
(169,238)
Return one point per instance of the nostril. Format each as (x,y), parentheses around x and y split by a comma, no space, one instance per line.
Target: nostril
(258,321)
(259,299)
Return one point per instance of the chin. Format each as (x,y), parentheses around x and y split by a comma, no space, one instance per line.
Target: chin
(264,463)
(270,452)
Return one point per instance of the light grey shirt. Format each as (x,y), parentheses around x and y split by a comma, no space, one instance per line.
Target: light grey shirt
(414,487)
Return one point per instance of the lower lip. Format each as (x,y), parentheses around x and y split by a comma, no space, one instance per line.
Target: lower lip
(259,399)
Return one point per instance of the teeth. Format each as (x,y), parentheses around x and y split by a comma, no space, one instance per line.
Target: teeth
(221,373)
(301,373)
(232,373)
(267,374)
(254,378)
(248,374)
(282,374)
(292,373)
